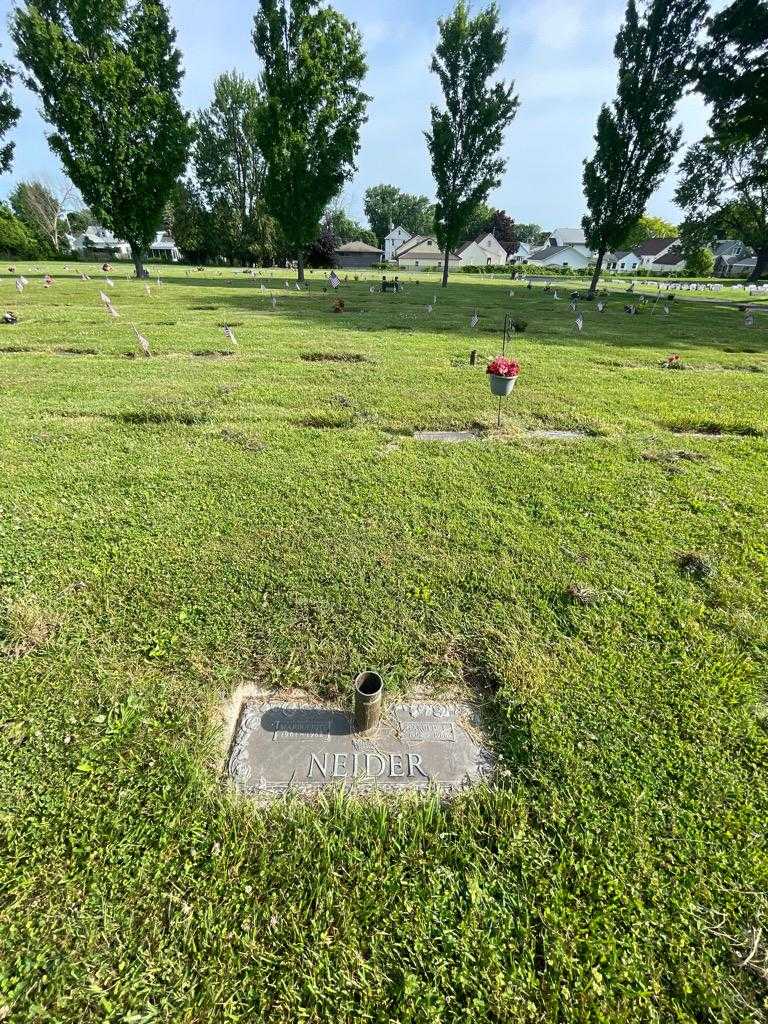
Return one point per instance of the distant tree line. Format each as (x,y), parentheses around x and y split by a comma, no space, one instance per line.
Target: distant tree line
(257,175)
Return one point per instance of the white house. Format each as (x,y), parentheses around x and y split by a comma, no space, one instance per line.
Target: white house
(521,254)
(622,262)
(423,251)
(569,236)
(483,251)
(396,237)
(164,248)
(650,250)
(671,261)
(560,256)
(98,243)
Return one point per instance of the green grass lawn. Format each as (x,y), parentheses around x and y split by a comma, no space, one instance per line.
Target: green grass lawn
(175,527)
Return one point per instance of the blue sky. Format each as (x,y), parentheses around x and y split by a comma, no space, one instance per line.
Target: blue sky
(560,56)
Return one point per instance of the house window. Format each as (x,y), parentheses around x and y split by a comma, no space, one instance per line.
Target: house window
(416,263)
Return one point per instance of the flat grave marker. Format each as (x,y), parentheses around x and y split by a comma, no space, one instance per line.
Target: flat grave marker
(418,745)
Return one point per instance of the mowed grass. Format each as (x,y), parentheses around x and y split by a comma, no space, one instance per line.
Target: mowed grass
(174,527)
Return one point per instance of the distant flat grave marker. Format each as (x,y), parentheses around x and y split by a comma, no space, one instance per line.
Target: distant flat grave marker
(279,748)
(451,436)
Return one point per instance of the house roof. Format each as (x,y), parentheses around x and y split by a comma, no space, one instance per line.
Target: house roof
(619,254)
(398,230)
(422,245)
(653,246)
(671,258)
(480,238)
(358,247)
(550,250)
(569,236)
(749,261)
(727,247)
(163,240)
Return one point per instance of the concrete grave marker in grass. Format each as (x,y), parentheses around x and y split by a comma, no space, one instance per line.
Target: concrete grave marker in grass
(278,748)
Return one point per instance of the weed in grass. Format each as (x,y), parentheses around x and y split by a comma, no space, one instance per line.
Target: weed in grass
(213,352)
(578,593)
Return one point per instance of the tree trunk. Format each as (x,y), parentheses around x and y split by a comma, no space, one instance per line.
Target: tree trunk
(300,267)
(761,265)
(445,268)
(598,268)
(138,259)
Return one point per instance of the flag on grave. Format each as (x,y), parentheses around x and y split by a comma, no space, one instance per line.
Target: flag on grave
(333,280)
(749,320)
(110,282)
(104,298)
(274,302)
(19,285)
(429,309)
(142,342)
(511,294)
(666,310)
(579,321)
(229,334)
(111,310)
(286,284)
(555,295)
(475,320)
(572,306)
(262,288)
(298,287)
(600,307)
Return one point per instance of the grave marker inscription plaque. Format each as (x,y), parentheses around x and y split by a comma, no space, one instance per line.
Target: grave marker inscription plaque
(277,748)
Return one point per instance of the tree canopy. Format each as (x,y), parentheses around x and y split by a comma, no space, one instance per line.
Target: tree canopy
(42,209)
(108,76)
(724,194)
(387,207)
(9,115)
(635,142)
(648,227)
(732,70)
(230,168)
(466,135)
(309,129)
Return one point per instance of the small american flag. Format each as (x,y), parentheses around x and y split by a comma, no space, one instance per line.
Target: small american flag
(24,281)
(84,277)
(286,284)
(600,307)
(579,321)
(110,282)
(666,310)
(475,320)
(333,280)
(572,306)
(749,320)
(434,300)
(111,310)
(263,288)
(142,342)
(104,298)
(555,295)
(229,334)
(159,282)
(19,285)
(429,309)
(274,302)
(298,287)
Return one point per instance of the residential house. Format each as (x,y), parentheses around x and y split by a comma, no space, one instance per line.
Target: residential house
(560,256)
(743,267)
(357,255)
(98,243)
(483,251)
(521,253)
(671,261)
(422,251)
(396,237)
(164,248)
(570,236)
(728,252)
(650,250)
(621,261)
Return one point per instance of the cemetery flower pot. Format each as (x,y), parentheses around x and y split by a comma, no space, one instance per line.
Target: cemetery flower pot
(501,386)
(369,688)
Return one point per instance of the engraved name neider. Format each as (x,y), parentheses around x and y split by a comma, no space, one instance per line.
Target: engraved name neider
(341,765)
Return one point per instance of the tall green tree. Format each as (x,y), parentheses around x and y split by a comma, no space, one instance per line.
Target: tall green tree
(309,130)
(635,142)
(732,70)
(9,115)
(648,227)
(466,136)
(345,229)
(230,168)
(190,223)
(503,228)
(387,207)
(108,75)
(531,234)
(724,193)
